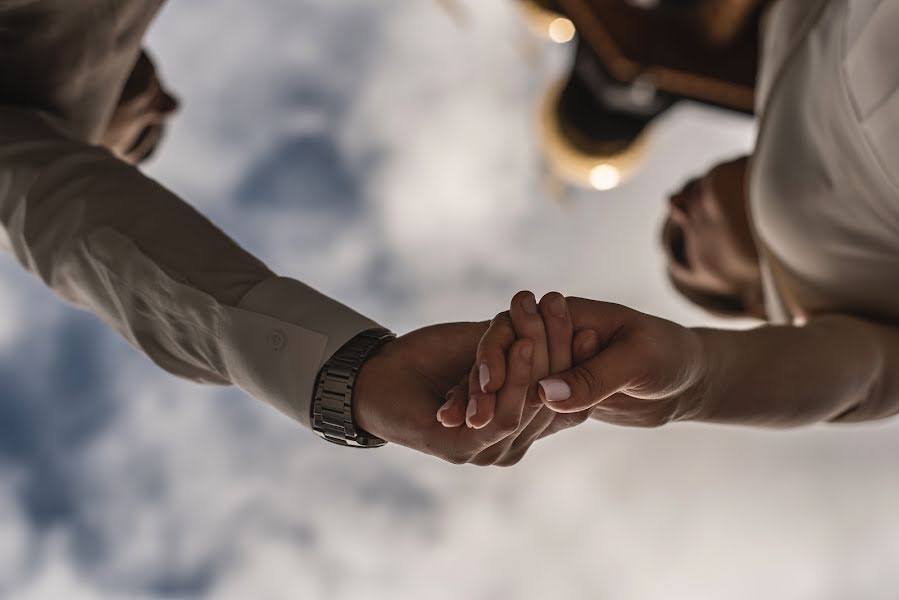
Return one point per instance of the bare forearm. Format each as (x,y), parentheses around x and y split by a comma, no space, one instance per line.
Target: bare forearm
(836,368)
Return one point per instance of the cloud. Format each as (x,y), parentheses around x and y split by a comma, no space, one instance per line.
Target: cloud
(386,155)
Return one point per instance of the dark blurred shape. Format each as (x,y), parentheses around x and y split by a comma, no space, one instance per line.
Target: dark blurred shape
(632,63)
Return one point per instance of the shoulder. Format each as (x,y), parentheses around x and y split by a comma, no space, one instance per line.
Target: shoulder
(785,25)
(871,72)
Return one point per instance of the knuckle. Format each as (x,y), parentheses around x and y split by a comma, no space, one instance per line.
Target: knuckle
(548,299)
(498,334)
(501,319)
(550,296)
(572,420)
(457,458)
(510,460)
(488,457)
(507,424)
(519,371)
(580,418)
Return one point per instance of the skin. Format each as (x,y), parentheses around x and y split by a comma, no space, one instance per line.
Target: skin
(650,372)
(398,390)
(710,249)
(138,123)
(597,359)
(708,241)
(563,347)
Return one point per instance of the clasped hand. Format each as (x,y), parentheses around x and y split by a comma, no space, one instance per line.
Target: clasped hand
(537,369)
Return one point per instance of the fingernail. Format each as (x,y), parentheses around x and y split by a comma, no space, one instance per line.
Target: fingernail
(529,304)
(557,306)
(446,406)
(472,410)
(555,390)
(484,376)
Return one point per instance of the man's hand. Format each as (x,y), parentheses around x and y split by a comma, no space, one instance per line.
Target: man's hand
(549,327)
(399,390)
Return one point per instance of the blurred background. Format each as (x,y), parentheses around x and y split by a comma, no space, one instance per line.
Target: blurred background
(386,152)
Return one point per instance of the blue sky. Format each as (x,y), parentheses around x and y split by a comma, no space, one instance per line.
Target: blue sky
(386,155)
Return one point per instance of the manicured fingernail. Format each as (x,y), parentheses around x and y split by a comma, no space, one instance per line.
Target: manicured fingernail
(472,410)
(529,304)
(557,306)
(484,376)
(450,397)
(555,390)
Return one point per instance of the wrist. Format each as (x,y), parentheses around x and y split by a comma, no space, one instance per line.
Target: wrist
(363,407)
(695,402)
(334,411)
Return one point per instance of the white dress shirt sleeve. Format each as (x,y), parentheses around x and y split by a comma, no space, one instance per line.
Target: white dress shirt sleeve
(110,240)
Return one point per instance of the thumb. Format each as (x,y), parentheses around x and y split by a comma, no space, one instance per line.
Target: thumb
(584,386)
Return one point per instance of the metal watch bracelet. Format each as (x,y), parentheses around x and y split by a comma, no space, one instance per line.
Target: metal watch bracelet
(332,406)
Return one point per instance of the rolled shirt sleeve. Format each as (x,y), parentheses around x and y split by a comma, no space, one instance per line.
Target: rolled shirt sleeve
(110,240)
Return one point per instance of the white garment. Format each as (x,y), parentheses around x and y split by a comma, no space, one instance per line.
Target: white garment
(114,242)
(824,188)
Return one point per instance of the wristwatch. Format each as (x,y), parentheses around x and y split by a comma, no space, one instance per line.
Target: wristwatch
(332,406)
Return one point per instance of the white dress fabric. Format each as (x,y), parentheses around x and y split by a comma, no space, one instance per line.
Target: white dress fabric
(824,188)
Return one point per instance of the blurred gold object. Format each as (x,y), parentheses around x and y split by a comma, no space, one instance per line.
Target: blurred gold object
(577,166)
(633,61)
(561,30)
(546,22)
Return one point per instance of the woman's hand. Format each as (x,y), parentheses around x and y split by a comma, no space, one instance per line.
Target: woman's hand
(647,372)
(629,368)
(548,326)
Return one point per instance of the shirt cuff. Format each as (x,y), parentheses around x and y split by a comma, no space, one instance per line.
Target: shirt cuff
(278,338)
